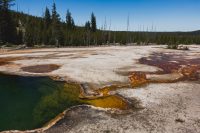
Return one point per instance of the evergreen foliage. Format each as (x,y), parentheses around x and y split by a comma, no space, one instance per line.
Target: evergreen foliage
(47,18)
(8,31)
(69,21)
(49,30)
(57,34)
(87,25)
(93,23)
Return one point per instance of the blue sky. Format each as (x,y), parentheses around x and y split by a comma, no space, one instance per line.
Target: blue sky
(159,15)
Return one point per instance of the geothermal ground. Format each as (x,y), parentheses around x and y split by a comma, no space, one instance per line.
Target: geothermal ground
(158,89)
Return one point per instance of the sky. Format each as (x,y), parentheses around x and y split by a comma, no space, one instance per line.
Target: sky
(151,15)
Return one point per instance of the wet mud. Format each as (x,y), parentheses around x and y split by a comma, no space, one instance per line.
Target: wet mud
(41,68)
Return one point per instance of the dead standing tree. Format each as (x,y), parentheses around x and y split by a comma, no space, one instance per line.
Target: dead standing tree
(127,31)
(105,32)
(109,34)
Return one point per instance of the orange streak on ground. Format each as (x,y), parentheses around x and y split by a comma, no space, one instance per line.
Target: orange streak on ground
(114,101)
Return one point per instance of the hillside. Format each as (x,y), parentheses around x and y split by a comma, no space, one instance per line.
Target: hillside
(32,31)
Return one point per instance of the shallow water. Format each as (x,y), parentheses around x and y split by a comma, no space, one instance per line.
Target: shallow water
(30,102)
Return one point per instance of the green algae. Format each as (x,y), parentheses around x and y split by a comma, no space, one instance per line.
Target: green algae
(31,102)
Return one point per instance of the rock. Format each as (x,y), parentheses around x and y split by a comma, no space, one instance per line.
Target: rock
(182,47)
(180,120)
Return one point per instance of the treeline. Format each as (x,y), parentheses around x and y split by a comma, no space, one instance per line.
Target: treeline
(8,32)
(19,28)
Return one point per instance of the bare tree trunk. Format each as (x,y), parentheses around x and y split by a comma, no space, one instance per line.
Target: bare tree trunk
(127,31)
(109,35)
(105,28)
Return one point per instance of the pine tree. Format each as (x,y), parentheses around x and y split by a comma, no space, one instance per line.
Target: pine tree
(93,23)
(87,25)
(69,21)
(1,22)
(46,33)
(8,32)
(19,39)
(73,24)
(57,34)
(29,33)
(47,18)
(87,33)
